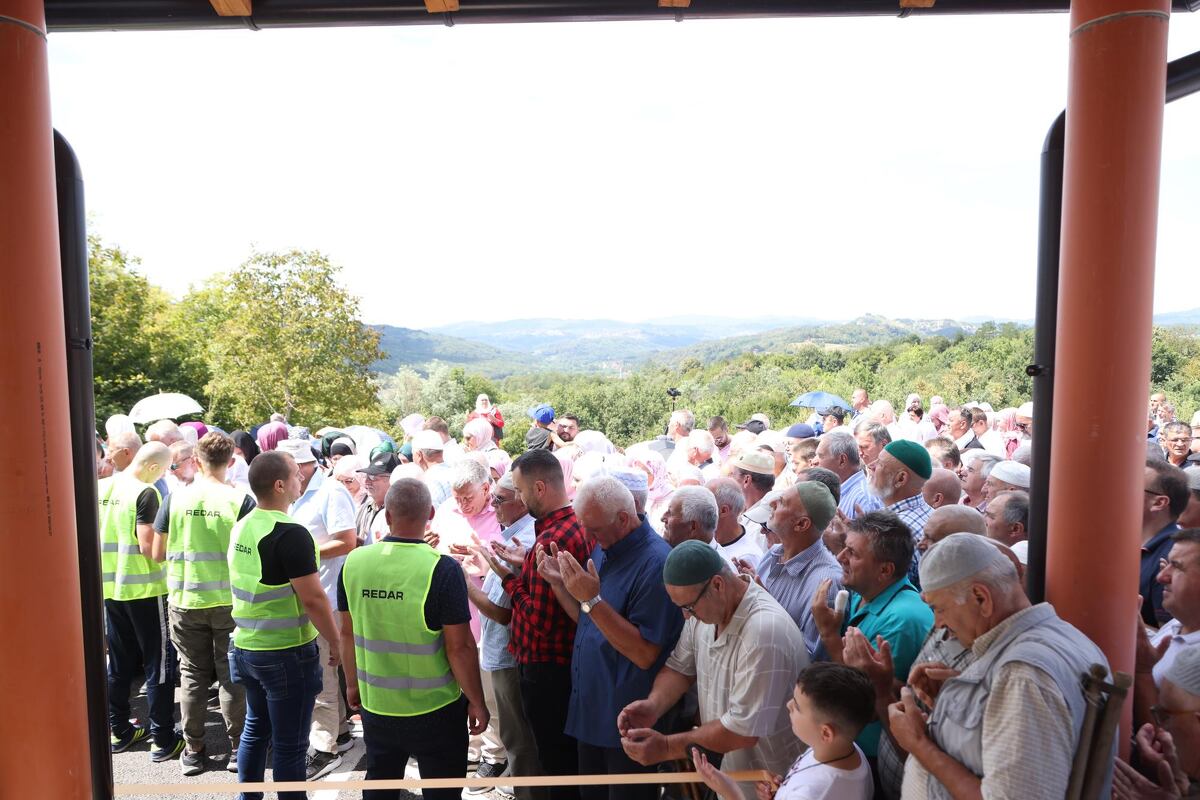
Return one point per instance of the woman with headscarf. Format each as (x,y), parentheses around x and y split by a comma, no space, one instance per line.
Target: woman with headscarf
(658,494)
(568,467)
(485,410)
(270,435)
(939,415)
(477,436)
(244,445)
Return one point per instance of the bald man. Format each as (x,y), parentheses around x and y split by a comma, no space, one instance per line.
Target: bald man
(942,489)
(135,604)
(951,519)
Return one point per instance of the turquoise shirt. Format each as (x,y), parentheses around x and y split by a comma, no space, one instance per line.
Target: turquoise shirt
(900,616)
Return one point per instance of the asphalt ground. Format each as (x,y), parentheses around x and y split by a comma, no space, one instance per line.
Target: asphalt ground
(134,765)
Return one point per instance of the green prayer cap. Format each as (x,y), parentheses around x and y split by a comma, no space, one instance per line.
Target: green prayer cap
(911,455)
(690,563)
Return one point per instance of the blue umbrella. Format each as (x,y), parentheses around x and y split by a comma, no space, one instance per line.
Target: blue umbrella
(820,400)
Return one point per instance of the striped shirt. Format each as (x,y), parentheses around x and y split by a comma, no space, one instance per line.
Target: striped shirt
(914,512)
(855,493)
(794,582)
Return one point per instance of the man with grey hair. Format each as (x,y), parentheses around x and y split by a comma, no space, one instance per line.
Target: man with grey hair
(679,427)
(793,569)
(698,450)
(730,539)
(977,465)
(942,489)
(872,436)
(428,451)
(1009,724)
(1177,443)
(122,447)
(691,514)
(627,627)
(840,453)
(1007,517)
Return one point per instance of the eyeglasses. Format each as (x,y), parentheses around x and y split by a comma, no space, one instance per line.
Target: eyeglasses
(691,607)
(1023,427)
(496,502)
(1162,716)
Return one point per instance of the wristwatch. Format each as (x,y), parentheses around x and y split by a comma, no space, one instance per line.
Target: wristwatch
(587,605)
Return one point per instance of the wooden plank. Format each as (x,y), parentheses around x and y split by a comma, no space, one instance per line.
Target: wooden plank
(674,3)
(441,6)
(232,8)
(160,789)
(917,3)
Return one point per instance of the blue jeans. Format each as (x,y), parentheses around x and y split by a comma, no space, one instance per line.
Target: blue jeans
(281,688)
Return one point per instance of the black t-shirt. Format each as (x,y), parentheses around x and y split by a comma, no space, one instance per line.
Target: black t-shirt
(162,522)
(287,552)
(147,506)
(446,603)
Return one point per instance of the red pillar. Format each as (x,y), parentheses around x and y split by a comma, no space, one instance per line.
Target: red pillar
(1115,101)
(43,743)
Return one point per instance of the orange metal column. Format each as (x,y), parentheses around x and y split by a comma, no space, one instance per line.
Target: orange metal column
(41,668)
(1115,101)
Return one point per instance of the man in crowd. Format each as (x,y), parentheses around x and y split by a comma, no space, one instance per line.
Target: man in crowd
(944,453)
(279,608)
(679,427)
(627,628)
(370,522)
(183,465)
(742,652)
(1180,577)
(944,488)
(1177,443)
(135,604)
(429,455)
(839,453)
(194,526)
(730,538)
(1009,725)
(1007,476)
(899,477)
(756,424)
(960,428)
(1164,498)
(543,634)
(754,471)
(326,510)
(1007,517)
(860,402)
(872,436)
(976,468)
(501,681)
(1190,518)
(698,450)
(992,441)
(719,429)
(793,569)
(404,616)
(832,418)
(691,514)
(568,428)
(122,447)
(166,433)
(884,606)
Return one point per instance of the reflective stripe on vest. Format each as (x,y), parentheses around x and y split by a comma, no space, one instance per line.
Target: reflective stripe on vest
(202,517)
(402,666)
(126,573)
(267,617)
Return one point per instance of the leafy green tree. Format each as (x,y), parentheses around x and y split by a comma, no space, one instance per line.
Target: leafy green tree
(282,335)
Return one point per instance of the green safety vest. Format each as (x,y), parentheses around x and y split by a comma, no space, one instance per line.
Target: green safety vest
(268,617)
(402,666)
(127,574)
(201,520)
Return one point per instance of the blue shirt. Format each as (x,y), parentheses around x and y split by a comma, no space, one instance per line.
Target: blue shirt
(794,582)
(493,637)
(900,616)
(602,680)
(854,493)
(1149,588)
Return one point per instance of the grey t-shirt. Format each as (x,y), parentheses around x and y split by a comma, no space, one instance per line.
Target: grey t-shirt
(537,439)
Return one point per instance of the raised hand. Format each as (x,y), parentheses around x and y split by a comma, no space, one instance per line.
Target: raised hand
(876,663)
(907,721)
(581,585)
(926,680)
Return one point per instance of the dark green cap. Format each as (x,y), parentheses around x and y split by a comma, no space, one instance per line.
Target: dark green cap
(913,456)
(690,563)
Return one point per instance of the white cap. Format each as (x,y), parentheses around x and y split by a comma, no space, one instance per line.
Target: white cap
(956,558)
(1011,472)
(428,440)
(298,449)
(1026,410)
(1021,551)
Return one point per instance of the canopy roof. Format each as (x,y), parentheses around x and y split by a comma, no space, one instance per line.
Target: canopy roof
(84,15)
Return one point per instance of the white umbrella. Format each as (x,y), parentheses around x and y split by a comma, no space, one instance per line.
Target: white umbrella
(169,405)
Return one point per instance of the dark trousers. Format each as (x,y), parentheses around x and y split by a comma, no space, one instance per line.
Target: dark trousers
(437,740)
(281,689)
(613,761)
(545,694)
(139,647)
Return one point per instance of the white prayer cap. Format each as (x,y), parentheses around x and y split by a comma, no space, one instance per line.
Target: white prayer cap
(1026,410)
(633,479)
(1184,671)
(1021,551)
(956,558)
(1011,472)
(118,423)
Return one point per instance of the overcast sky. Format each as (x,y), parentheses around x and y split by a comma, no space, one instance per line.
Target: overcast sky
(605,170)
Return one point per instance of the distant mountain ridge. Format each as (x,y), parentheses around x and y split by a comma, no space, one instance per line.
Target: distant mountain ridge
(498,349)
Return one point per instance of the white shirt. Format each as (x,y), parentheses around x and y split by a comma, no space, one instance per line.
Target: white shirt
(993,442)
(1178,640)
(325,508)
(809,779)
(745,546)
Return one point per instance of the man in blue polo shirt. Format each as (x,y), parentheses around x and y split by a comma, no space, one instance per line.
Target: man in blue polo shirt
(1164,499)
(627,628)
(883,603)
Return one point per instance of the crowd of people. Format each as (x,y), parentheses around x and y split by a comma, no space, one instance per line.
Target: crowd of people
(838,602)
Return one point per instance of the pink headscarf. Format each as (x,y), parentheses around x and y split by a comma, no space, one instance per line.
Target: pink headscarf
(498,461)
(651,462)
(481,430)
(199,427)
(568,468)
(1006,420)
(939,415)
(270,435)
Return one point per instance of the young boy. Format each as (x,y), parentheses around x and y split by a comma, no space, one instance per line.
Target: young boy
(831,704)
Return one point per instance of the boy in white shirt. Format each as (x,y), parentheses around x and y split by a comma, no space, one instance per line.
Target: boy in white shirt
(830,705)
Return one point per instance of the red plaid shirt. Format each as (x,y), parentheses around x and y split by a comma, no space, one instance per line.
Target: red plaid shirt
(540,630)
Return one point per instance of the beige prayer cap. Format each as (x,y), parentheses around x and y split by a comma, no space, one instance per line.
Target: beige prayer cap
(956,558)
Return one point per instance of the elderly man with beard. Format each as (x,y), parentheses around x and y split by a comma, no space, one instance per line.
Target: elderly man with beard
(898,481)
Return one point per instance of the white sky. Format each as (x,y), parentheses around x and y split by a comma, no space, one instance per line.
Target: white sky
(614,169)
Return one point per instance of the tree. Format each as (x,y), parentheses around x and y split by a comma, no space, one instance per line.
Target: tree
(139,347)
(282,336)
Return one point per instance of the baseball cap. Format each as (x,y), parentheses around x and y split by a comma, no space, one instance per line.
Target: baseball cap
(382,463)
(801,430)
(298,449)
(756,461)
(542,413)
(832,411)
(756,424)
